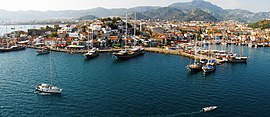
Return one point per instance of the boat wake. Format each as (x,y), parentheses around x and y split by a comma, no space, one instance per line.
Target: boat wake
(42,93)
(5,107)
(191,113)
(177,114)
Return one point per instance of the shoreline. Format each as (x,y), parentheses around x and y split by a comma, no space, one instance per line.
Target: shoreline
(152,50)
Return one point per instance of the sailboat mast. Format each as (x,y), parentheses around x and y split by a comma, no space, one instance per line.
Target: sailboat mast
(88,39)
(51,74)
(195,48)
(6,37)
(209,52)
(92,42)
(135,25)
(201,48)
(126,33)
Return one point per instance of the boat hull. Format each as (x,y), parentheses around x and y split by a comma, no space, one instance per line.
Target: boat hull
(209,109)
(12,49)
(42,52)
(128,55)
(238,61)
(194,67)
(208,69)
(19,48)
(5,49)
(88,56)
(45,88)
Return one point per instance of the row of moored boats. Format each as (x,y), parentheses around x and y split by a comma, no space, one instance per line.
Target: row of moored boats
(92,53)
(12,48)
(120,55)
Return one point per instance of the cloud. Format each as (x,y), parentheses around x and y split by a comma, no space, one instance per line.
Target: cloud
(227,4)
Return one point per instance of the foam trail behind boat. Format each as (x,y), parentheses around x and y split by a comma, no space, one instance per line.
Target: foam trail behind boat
(177,114)
(191,113)
(5,107)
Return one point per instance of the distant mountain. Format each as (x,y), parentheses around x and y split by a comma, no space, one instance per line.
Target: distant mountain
(238,15)
(261,24)
(221,14)
(200,4)
(245,16)
(184,11)
(87,17)
(165,13)
(168,13)
(200,15)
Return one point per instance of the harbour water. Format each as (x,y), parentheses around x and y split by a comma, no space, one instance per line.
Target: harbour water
(150,85)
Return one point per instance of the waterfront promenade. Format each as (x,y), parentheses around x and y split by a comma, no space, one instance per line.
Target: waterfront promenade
(150,49)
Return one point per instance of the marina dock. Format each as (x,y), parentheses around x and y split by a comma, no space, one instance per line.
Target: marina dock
(153,50)
(180,53)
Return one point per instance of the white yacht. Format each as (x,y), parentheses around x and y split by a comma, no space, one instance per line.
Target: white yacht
(209,108)
(47,88)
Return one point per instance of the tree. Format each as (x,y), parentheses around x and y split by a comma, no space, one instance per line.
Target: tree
(48,28)
(83,28)
(53,34)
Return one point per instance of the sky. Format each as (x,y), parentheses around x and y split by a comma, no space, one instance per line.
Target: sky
(45,5)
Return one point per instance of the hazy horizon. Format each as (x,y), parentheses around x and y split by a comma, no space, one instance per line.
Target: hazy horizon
(57,5)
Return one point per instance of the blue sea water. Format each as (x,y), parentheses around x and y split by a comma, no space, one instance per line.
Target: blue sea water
(153,85)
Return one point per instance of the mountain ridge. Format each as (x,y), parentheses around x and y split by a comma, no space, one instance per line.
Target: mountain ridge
(209,11)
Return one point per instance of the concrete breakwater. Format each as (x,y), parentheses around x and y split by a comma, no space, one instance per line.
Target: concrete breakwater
(180,53)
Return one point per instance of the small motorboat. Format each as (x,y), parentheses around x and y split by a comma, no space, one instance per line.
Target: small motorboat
(209,108)
(44,50)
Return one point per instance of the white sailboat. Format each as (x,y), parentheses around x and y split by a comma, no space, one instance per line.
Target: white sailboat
(93,52)
(49,88)
(137,49)
(126,54)
(197,65)
(210,66)
(236,58)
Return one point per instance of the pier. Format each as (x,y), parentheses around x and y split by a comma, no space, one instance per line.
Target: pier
(180,53)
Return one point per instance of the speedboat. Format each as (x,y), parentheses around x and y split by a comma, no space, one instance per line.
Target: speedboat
(43,51)
(209,108)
